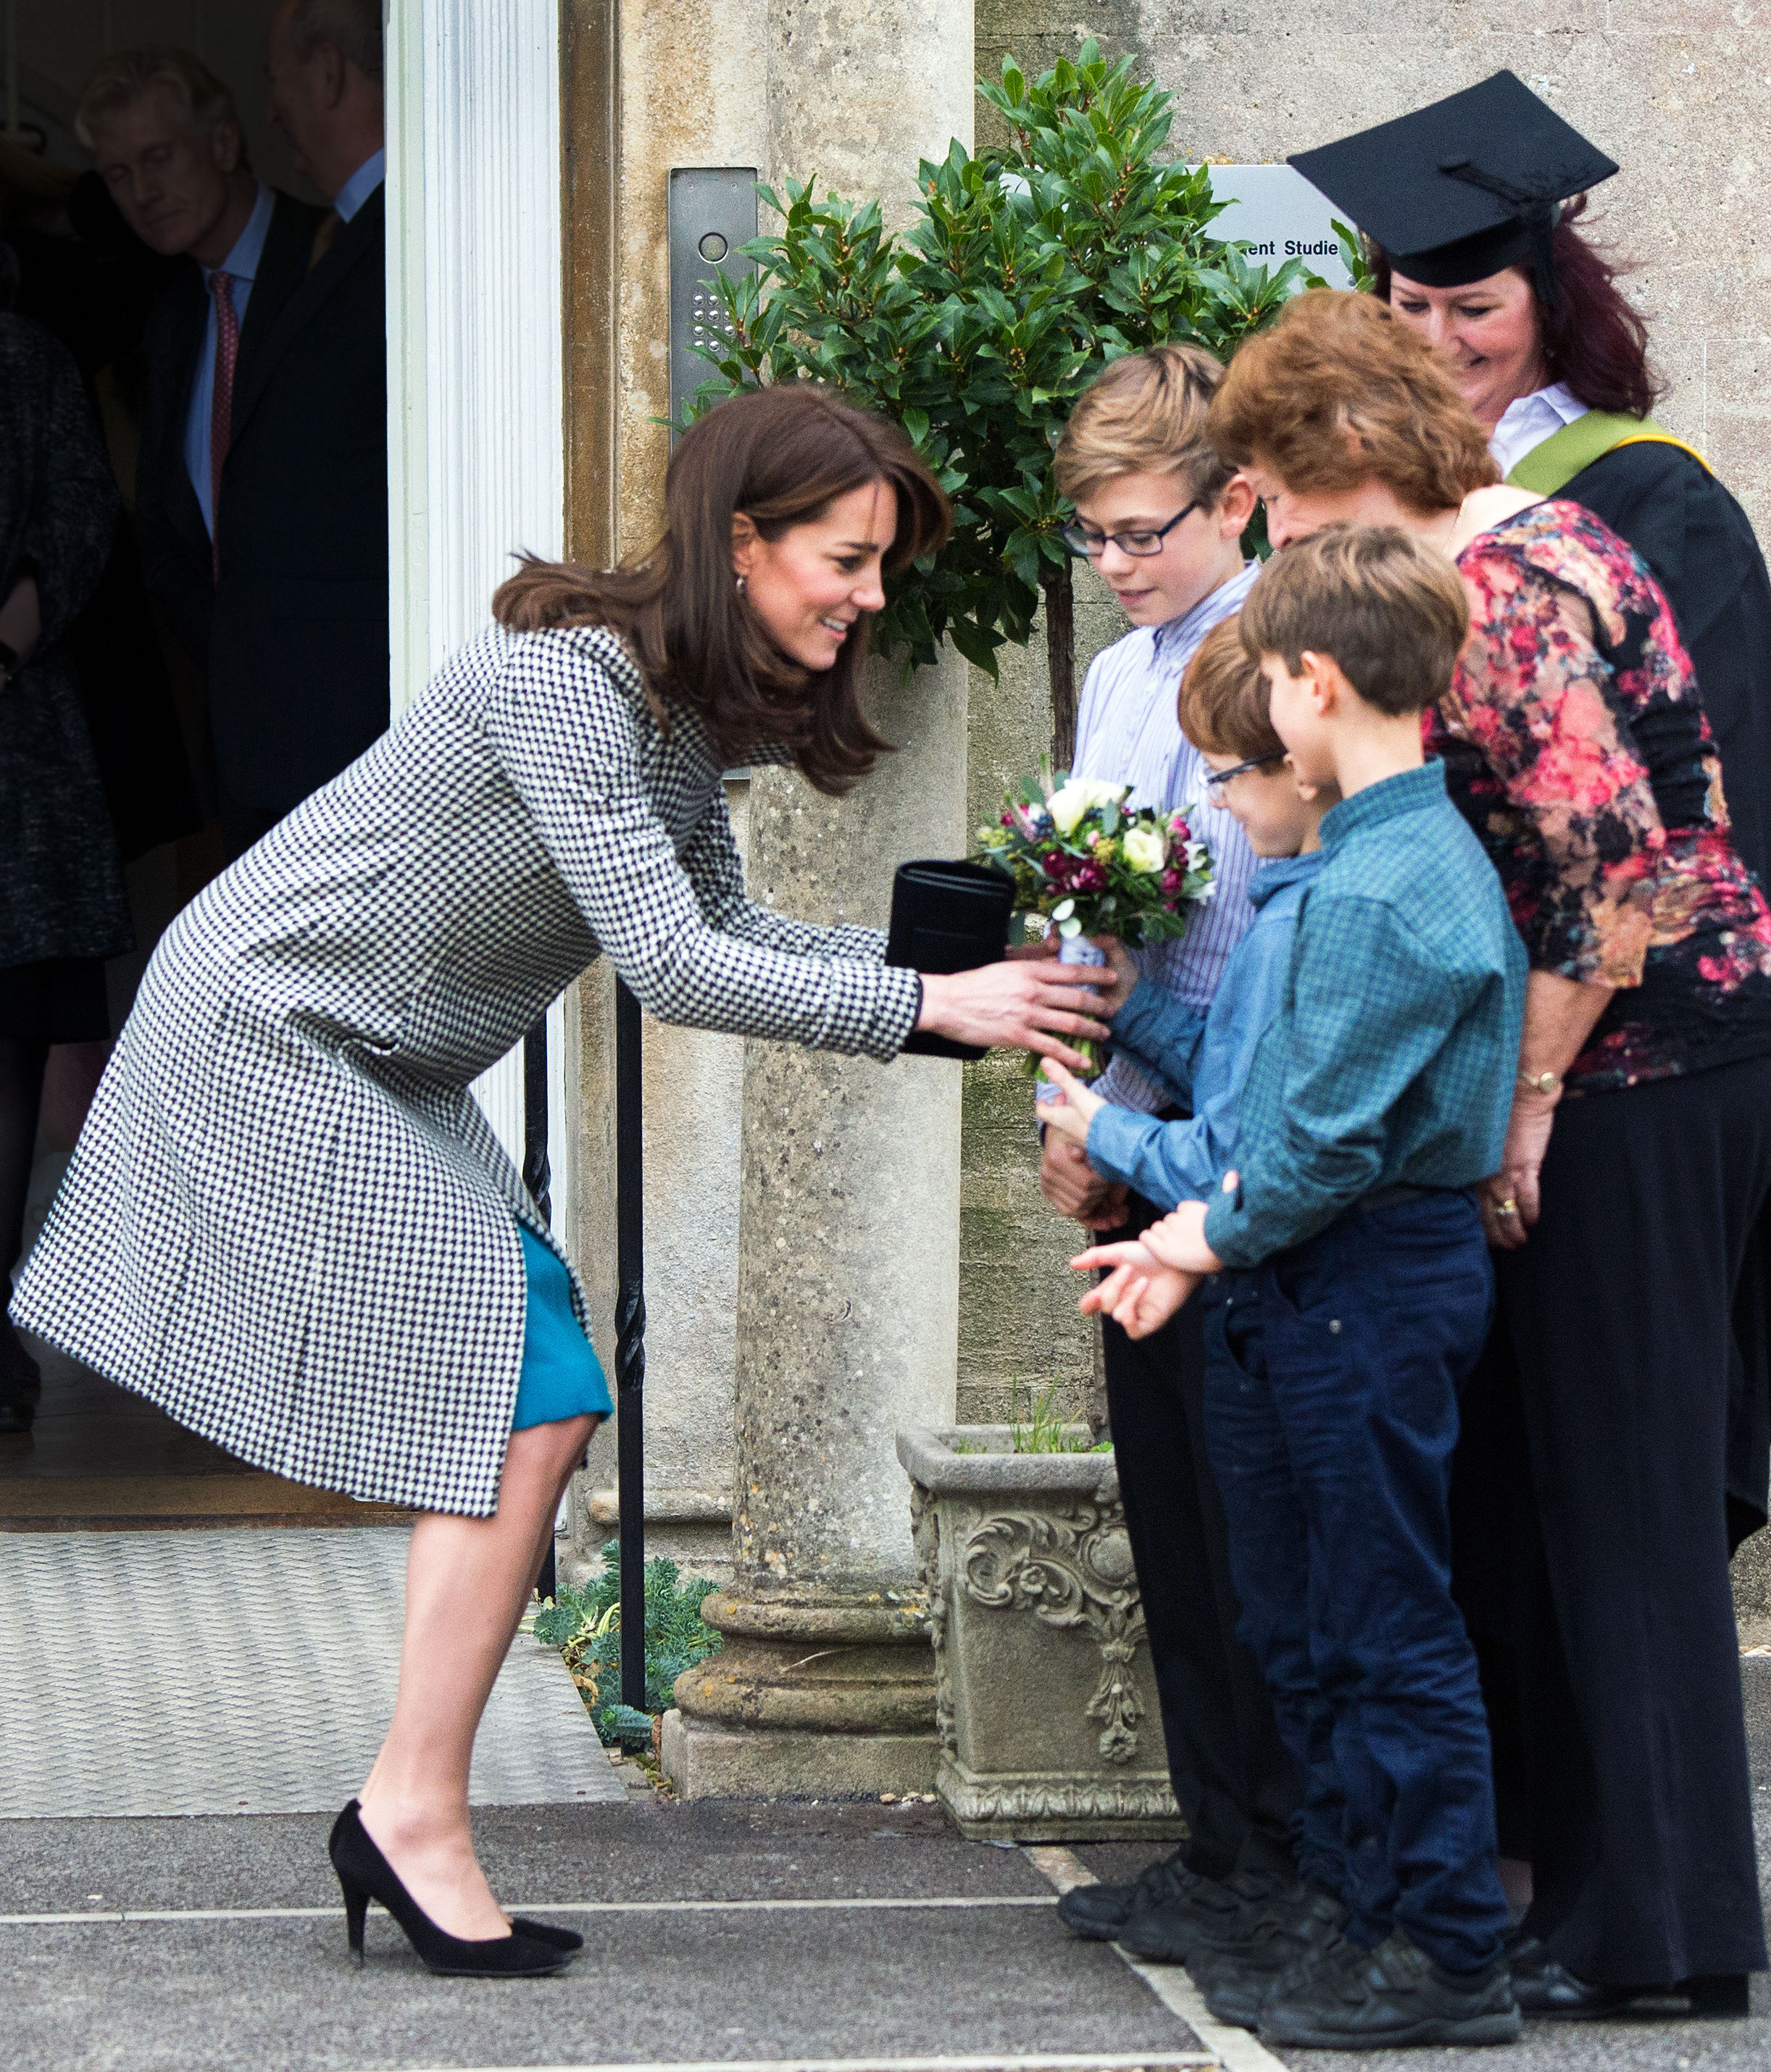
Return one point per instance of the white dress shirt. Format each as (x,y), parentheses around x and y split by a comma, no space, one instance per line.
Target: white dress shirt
(1128,732)
(361,185)
(1528,421)
(240,266)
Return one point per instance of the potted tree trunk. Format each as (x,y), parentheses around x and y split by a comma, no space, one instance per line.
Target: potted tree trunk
(1045,1704)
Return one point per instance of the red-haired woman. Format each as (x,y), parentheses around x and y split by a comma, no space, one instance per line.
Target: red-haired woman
(288,1223)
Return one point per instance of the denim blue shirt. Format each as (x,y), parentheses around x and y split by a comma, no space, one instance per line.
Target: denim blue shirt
(1391,1061)
(1201,1059)
(1127,732)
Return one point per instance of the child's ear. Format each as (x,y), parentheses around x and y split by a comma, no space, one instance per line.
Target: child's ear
(1322,675)
(1236,506)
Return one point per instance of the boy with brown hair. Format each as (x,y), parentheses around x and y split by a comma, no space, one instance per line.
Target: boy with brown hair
(1349,1296)
(1161,517)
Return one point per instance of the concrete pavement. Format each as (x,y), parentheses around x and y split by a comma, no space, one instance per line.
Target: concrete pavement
(211,1985)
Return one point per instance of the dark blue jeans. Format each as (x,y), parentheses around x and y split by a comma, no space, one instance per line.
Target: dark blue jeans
(1331,1374)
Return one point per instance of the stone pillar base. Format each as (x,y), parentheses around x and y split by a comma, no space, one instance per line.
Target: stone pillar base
(703,1760)
(811,1696)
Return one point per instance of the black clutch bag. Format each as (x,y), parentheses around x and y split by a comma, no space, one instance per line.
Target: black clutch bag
(948,917)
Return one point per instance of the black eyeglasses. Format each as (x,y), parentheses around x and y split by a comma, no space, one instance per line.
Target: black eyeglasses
(1217,779)
(1139,545)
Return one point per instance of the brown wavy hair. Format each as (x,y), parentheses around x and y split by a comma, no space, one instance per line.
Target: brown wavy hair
(1338,392)
(1592,339)
(781,455)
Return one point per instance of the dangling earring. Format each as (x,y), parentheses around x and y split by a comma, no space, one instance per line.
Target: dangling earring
(740,585)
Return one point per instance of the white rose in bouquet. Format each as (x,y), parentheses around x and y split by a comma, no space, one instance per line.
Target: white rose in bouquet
(1081,794)
(1145,849)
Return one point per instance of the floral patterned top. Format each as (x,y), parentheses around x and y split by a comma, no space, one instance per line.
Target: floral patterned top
(1575,744)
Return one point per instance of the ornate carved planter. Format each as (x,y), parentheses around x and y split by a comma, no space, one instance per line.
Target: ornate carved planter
(1045,1704)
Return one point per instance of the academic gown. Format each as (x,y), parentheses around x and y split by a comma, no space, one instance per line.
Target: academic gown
(1701,546)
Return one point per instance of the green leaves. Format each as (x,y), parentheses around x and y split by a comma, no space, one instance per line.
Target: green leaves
(1028,270)
(585,1626)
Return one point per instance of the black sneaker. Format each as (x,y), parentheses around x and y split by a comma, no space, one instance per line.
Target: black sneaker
(1209,1912)
(1389,1998)
(1284,1940)
(1098,1912)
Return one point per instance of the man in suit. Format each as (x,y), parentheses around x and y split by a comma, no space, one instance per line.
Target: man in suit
(264,461)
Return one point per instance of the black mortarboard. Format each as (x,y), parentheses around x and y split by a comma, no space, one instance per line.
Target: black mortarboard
(1460,190)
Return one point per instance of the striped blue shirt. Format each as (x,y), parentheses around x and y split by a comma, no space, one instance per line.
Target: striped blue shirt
(1127,733)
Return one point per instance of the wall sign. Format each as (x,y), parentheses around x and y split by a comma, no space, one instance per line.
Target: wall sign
(1282,216)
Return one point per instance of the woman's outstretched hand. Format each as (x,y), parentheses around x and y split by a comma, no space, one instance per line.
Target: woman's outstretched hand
(1024,1003)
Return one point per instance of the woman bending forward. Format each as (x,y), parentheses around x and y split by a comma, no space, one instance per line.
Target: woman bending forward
(288,1223)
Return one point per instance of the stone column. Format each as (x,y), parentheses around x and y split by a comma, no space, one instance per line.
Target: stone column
(847,1324)
(849,1218)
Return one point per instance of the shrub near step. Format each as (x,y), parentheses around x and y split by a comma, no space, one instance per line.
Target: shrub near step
(585,1626)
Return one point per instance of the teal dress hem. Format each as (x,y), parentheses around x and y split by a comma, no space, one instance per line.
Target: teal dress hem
(562,1376)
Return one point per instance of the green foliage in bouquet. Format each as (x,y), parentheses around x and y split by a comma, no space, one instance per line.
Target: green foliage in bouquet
(1091,866)
(585,1626)
(1029,267)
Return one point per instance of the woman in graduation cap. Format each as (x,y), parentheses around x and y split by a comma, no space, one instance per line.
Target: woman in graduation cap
(1470,210)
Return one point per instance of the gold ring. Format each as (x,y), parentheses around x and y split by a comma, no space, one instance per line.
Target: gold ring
(1509,1207)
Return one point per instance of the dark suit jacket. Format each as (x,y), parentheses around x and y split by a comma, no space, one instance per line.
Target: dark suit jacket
(175,543)
(298,628)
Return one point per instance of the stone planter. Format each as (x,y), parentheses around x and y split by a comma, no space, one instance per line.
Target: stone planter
(1045,1705)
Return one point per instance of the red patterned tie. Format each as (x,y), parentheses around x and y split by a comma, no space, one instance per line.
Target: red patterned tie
(227,349)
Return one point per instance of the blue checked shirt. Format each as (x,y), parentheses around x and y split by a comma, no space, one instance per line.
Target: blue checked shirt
(1391,1061)
(1127,733)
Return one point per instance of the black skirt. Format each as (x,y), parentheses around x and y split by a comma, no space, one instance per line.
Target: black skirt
(58,999)
(1591,1541)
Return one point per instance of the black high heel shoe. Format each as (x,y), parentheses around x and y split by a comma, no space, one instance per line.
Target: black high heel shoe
(544,1931)
(364,1873)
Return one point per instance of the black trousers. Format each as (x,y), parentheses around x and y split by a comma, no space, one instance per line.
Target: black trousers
(1591,1549)
(1234,1783)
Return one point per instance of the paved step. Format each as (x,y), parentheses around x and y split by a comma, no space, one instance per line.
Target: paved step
(212,1672)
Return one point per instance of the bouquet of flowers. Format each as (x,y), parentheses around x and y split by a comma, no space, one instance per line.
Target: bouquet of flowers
(1090,867)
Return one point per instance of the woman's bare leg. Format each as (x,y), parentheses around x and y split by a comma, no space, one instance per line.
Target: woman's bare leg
(467,1581)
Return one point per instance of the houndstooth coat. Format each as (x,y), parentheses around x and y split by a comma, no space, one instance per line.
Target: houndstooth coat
(287,1222)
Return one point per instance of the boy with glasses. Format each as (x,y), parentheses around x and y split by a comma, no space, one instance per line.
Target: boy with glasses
(1161,517)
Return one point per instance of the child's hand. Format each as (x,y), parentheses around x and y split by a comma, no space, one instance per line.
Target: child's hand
(1140,1294)
(1071,1117)
(1178,1240)
(1125,974)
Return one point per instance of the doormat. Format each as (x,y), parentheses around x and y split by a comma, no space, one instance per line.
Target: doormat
(160,1673)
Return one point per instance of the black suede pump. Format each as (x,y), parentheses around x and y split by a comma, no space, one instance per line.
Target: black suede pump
(364,1873)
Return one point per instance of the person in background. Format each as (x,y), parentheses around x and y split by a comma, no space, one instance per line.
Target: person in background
(1591,1561)
(63,907)
(168,144)
(1162,518)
